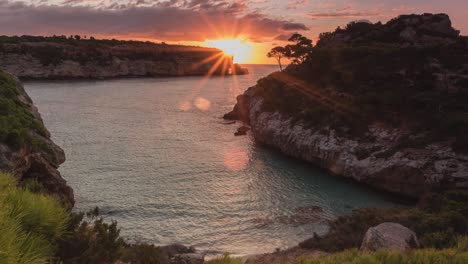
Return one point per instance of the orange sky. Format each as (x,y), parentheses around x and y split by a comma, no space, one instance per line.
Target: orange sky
(261,24)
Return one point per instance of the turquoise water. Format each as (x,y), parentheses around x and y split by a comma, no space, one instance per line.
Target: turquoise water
(155,155)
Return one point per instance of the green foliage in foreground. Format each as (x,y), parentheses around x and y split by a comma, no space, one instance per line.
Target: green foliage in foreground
(456,255)
(30,224)
(16,122)
(437,220)
(226,259)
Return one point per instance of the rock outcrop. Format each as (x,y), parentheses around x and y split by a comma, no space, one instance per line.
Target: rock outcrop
(37,158)
(421,30)
(56,58)
(390,236)
(388,124)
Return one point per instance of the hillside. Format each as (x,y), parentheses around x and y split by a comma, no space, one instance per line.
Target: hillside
(59,57)
(383,104)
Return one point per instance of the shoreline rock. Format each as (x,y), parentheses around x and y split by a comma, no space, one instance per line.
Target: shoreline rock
(391,236)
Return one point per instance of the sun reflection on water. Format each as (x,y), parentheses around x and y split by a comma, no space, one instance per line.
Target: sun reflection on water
(236,159)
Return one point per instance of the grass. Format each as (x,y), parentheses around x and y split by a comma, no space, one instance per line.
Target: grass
(16,121)
(226,259)
(30,224)
(456,255)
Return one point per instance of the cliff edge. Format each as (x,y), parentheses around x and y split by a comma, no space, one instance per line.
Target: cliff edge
(26,149)
(382,104)
(58,57)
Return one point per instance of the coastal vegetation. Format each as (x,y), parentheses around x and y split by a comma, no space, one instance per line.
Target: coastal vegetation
(16,121)
(36,228)
(55,49)
(454,255)
(438,220)
(366,73)
(30,224)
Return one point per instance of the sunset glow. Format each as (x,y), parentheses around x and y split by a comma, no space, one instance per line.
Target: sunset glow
(241,50)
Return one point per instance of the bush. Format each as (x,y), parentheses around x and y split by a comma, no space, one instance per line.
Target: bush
(30,224)
(16,122)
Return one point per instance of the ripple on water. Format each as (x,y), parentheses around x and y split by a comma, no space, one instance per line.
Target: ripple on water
(154,155)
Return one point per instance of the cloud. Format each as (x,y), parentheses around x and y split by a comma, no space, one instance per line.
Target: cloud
(283,37)
(342,14)
(296,4)
(294,26)
(348,11)
(189,20)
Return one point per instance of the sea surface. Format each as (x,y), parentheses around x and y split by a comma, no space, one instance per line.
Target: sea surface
(155,155)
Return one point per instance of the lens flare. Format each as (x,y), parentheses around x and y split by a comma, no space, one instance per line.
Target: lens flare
(202,103)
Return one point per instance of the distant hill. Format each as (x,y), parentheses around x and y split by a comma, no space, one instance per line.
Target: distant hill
(75,57)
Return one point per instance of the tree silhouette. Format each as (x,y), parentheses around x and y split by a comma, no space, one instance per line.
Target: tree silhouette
(278,53)
(300,50)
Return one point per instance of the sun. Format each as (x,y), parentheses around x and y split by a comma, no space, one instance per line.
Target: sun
(240,49)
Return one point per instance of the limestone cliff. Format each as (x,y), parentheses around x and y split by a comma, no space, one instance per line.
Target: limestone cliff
(26,149)
(387,113)
(59,58)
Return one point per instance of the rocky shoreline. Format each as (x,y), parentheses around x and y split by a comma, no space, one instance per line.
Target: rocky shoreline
(352,143)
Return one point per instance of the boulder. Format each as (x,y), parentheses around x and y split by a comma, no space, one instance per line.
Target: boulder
(189,258)
(390,236)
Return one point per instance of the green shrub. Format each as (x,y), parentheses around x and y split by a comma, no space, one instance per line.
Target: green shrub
(16,122)
(30,224)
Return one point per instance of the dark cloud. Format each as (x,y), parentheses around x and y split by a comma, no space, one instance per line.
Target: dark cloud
(294,26)
(283,37)
(194,20)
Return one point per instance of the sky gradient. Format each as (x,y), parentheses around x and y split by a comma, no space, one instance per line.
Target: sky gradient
(261,23)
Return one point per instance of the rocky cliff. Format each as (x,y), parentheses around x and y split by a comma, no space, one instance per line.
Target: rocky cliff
(26,149)
(376,108)
(60,57)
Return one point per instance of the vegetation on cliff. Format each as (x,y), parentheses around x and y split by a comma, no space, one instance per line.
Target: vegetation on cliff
(56,49)
(411,72)
(16,122)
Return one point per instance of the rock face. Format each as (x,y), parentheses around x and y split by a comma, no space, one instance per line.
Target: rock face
(30,162)
(422,30)
(48,59)
(317,112)
(375,158)
(389,236)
